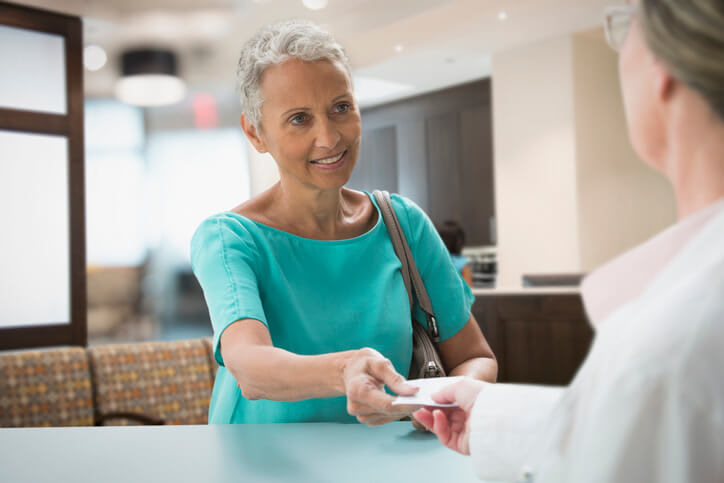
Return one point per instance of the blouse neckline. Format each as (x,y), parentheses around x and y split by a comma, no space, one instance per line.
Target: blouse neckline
(342,241)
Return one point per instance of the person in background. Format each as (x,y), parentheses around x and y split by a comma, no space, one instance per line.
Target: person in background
(310,312)
(648,403)
(453,236)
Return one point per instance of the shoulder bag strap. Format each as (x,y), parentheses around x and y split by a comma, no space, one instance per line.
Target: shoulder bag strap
(410,274)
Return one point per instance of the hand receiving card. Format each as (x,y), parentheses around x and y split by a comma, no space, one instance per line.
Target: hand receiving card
(428,387)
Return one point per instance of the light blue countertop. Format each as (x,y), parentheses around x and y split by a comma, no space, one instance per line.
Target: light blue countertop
(311,452)
(494,291)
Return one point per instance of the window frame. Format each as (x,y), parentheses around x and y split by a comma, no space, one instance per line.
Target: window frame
(69,125)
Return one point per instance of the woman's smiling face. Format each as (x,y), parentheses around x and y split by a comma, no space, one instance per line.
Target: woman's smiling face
(310,122)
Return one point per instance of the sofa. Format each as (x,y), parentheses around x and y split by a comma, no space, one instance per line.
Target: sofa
(116,384)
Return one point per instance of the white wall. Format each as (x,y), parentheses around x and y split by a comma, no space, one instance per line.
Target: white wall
(535,172)
(621,201)
(263,170)
(570,192)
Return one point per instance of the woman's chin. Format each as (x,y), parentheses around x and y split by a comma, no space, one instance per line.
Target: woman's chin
(331,179)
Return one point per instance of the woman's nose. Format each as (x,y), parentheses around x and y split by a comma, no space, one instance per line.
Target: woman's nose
(327,135)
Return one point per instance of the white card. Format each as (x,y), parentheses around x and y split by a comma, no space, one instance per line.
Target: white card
(428,387)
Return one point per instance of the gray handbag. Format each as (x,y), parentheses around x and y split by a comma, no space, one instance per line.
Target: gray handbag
(426,361)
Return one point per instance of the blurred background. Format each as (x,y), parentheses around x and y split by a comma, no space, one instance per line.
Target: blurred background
(502,115)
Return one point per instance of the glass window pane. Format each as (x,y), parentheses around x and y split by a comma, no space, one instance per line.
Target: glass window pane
(32,70)
(116,209)
(112,125)
(34,246)
(193,174)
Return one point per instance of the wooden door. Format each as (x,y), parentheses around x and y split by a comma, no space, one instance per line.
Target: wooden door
(41,160)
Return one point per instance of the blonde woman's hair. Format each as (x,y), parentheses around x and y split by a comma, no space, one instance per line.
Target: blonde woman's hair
(273,45)
(688,36)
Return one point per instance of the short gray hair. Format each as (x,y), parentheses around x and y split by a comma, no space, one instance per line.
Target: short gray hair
(273,45)
(689,38)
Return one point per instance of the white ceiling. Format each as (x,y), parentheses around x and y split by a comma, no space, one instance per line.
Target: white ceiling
(444,42)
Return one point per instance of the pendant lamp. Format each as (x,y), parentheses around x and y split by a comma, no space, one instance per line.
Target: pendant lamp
(149,78)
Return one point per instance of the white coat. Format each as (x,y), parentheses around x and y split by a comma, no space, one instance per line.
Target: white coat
(647,405)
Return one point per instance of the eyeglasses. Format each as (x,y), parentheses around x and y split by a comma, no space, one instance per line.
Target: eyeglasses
(617,21)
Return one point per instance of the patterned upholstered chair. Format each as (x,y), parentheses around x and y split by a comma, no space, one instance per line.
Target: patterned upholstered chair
(151,383)
(45,388)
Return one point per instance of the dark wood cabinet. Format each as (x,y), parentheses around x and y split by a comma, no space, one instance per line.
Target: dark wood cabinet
(478,208)
(437,150)
(537,338)
(442,133)
(377,164)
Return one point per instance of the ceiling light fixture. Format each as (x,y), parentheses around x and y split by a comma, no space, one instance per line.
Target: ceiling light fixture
(399,48)
(94,57)
(149,78)
(315,4)
(368,90)
(502,15)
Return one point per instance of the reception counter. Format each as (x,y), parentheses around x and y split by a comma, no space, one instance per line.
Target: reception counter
(299,453)
(478,291)
(539,335)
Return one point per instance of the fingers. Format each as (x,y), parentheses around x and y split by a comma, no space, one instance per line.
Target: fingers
(376,402)
(367,407)
(365,380)
(367,398)
(449,425)
(446,395)
(383,370)
(462,393)
(423,417)
(359,408)
(405,409)
(372,416)
(441,428)
(417,424)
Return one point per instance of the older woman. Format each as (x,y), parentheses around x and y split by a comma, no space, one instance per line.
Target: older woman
(648,403)
(310,313)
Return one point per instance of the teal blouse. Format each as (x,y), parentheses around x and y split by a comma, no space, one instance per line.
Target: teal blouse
(317,297)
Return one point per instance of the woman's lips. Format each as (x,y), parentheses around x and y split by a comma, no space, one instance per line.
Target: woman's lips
(325,164)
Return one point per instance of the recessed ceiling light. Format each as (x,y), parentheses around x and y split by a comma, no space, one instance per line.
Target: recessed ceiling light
(372,89)
(399,48)
(315,4)
(94,57)
(502,15)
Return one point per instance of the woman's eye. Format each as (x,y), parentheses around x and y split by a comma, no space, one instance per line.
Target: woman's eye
(344,107)
(298,119)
